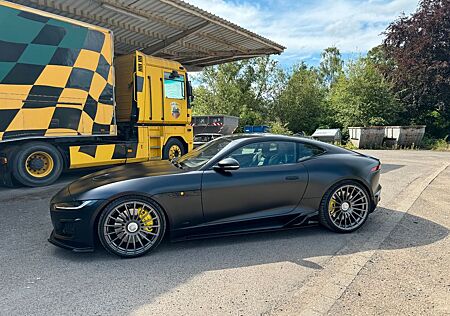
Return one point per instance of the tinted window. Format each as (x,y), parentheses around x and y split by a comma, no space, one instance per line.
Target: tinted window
(306,151)
(265,154)
(173,86)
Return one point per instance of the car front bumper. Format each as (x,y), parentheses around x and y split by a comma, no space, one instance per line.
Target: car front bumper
(74,229)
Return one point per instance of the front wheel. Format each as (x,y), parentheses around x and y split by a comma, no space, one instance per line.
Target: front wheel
(345,207)
(131,227)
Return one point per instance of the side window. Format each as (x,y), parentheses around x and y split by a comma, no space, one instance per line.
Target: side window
(174,86)
(265,154)
(306,151)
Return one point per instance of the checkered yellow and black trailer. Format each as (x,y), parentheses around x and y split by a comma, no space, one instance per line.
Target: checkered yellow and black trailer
(67,102)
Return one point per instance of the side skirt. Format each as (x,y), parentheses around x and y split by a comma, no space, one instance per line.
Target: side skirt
(292,221)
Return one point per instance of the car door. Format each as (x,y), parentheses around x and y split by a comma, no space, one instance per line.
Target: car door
(269,182)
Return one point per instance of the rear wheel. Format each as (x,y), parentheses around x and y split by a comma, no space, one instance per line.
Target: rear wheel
(131,227)
(174,148)
(345,207)
(37,164)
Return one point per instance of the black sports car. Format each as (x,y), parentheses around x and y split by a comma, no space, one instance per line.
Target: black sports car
(231,185)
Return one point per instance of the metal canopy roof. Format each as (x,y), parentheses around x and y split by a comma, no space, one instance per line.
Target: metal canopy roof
(172,29)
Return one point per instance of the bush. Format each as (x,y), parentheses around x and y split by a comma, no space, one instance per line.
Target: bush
(279,128)
(435,144)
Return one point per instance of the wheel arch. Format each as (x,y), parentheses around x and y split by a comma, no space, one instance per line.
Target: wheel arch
(356,180)
(112,199)
(180,138)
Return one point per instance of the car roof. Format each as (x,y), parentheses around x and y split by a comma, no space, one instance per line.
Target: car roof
(270,137)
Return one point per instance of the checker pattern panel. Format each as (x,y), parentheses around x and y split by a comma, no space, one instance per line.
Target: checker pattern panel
(56,77)
(100,155)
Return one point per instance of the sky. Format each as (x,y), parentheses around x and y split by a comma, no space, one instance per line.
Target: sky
(306,27)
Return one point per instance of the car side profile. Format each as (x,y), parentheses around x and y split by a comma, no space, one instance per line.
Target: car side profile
(232,185)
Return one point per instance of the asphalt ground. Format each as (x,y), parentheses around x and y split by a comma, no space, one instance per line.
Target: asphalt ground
(397,263)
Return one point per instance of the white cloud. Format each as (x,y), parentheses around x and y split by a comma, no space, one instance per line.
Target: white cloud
(307,27)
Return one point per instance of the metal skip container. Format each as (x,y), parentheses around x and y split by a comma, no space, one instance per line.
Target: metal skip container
(404,136)
(221,124)
(367,137)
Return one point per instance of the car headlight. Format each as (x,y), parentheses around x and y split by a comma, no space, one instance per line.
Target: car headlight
(73,205)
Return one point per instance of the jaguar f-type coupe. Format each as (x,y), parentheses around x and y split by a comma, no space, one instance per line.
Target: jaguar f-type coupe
(231,185)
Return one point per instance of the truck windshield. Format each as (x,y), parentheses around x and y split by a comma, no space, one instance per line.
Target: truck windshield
(201,155)
(174,86)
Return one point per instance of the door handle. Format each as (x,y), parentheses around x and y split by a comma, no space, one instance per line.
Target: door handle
(292,178)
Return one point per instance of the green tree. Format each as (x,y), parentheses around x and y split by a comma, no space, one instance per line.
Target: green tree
(363,97)
(300,105)
(419,45)
(245,89)
(331,66)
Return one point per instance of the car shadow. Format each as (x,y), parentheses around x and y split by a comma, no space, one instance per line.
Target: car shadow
(66,177)
(173,264)
(387,167)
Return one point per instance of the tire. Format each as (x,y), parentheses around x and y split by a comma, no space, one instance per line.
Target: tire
(171,145)
(37,164)
(131,226)
(340,217)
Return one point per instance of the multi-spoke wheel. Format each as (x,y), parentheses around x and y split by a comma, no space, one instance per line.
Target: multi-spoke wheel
(131,227)
(345,207)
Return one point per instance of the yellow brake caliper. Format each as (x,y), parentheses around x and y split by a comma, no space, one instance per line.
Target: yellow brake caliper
(331,206)
(146,219)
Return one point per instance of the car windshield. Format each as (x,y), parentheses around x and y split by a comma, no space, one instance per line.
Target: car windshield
(201,155)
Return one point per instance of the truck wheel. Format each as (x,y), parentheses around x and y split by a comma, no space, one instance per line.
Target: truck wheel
(37,164)
(173,149)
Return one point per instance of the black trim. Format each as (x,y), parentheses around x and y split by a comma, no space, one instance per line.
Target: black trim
(24,133)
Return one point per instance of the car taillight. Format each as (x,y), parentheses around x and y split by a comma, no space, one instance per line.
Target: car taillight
(376,168)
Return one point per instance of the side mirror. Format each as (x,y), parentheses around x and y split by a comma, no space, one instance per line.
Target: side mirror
(190,91)
(227,164)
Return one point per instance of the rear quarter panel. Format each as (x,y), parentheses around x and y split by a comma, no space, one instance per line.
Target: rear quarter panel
(326,170)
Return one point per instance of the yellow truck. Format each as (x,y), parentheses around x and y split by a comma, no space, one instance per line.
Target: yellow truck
(67,102)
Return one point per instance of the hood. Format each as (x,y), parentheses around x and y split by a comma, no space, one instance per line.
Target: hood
(122,173)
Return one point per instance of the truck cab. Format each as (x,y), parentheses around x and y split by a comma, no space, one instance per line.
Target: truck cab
(153,102)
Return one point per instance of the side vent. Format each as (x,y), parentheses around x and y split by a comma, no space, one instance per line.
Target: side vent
(140,67)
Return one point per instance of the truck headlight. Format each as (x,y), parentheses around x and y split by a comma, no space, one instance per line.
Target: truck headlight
(72,205)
